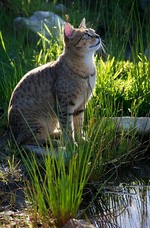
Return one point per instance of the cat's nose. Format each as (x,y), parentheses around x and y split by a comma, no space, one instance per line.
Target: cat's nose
(97,36)
(99,39)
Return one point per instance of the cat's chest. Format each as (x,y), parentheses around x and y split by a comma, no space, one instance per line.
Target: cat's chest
(85,90)
(91,81)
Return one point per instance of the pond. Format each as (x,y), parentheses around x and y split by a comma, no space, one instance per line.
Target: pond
(124,202)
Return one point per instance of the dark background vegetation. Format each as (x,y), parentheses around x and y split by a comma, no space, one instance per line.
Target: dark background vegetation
(125,21)
(124,27)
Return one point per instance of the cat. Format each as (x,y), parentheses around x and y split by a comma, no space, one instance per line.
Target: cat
(54,95)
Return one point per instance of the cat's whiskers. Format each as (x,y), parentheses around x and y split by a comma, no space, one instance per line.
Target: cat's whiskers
(103,47)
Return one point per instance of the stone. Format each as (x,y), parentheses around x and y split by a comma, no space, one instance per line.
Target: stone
(61,8)
(36,24)
(140,125)
(74,223)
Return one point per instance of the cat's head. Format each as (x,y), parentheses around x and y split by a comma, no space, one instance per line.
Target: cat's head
(82,39)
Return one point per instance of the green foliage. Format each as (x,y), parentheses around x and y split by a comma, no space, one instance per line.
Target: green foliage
(56,190)
(123,87)
(57,181)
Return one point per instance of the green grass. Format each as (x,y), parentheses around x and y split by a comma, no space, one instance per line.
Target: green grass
(56,183)
(123,87)
(57,194)
(55,180)
(56,187)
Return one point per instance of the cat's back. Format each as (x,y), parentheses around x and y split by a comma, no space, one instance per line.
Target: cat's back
(34,84)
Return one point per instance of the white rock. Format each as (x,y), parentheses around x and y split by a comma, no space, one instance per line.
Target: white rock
(74,223)
(36,24)
(61,8)
(139,124)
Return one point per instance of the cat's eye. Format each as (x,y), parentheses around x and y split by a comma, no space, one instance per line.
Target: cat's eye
(87,35)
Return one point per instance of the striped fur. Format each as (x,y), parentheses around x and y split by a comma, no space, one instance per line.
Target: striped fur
(53,96)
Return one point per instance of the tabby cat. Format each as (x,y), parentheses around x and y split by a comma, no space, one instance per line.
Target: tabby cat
(53,96)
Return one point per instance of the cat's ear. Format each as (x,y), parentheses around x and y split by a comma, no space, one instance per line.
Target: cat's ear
(83,24)
(68,30)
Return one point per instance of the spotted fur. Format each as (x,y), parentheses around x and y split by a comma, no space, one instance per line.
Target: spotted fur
(54,95)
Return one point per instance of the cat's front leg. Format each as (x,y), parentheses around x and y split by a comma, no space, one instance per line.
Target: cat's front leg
(78,119)
(66,123)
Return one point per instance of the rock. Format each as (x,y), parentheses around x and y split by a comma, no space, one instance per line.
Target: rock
(61,8)
(36,24)
(139,124)
(74,223)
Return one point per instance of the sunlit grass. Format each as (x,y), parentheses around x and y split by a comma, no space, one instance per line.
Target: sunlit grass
(56,183)
(56,186)
(123,87)
(58,179)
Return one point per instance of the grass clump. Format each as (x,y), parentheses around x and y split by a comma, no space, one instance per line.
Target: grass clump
(55,188)
(123,87)
(56,183)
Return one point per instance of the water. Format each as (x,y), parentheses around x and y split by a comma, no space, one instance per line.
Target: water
(125,201)
(123,206)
